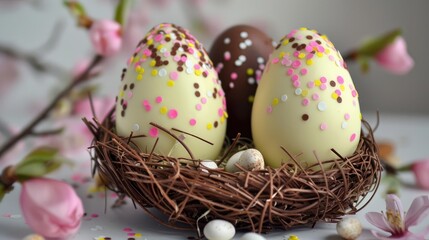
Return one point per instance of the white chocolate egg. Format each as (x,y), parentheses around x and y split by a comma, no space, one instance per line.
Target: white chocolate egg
(306,102)
(219,230)
(249,159)
(252,236)
(170,81)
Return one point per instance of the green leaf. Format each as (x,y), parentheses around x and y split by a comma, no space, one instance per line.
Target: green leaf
(364,64)
(121,11)
(2,192)
(38,163)
(374,46)
(76,8)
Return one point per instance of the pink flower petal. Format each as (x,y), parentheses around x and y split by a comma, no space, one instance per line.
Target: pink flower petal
(378,220)
(419,209)
(420,170)
(395,58)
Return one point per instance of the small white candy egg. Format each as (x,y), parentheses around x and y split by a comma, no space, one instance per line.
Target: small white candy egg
(250,159)
(230,165)
(219,230)
(349,228)
(208,164)
(252,236)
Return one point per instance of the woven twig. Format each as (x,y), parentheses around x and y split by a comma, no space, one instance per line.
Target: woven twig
(252,200)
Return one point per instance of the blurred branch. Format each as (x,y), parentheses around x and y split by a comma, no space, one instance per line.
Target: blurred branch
(53,39)
(29,129)
(46,132)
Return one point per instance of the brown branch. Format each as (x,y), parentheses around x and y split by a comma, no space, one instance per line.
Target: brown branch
(29,128)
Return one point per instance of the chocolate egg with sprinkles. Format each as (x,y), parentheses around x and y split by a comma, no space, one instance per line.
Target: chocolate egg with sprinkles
(170,81)
(306,102)
(239,55)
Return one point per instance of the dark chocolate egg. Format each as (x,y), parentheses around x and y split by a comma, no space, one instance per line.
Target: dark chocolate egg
(239,55)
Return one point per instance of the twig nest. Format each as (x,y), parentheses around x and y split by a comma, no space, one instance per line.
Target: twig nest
(219,230)
(210,164)
(349,228)
(252,236)
(250,159)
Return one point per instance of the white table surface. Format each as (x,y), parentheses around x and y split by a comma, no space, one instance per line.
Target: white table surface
(408,133)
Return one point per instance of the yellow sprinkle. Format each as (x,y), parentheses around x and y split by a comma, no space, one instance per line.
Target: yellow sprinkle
(159,47)
(152,63)
(360,116)
(334,96)
(199,54)
(293,237)
(149,42)
(139,77)
(121,93)
(342,87)
(163,110)
(154,72)
(309,62)
(138,68)
(303,28)
(301,55)
(167,35)
(327,51)
(135,60)
(304,92)
(317,82)
(137,235)
(251,98)
(170,83)
(319,54)
(209,126)
(249,71)
(225,114)
(282,54)
(191,45)
(275,101)
(222,119)
(198,72)
(285,42)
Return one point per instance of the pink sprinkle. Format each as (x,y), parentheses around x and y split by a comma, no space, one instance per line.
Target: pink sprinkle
(275,60)
(313,44)
(158,37)
(320,49)
(289,71)
(203,100)
(323,79)
(304,71)
(174,75)
(183,58)
(176,58)
(198,107)
(346,116)
(323,126)
(227,55)
(322,86)
(308,48)
(305,102)
(310,56)
(197,66)
(338,92)
(297,83)
(234,75)
(147,52)
(310,84)
(127,229)
(166,54)
(220,112)
(295,77)
(148,108)
(192,121)
(352,137)
(153,132)
(269,109)
(191,50)
(296,54)
(130,94)
(172,113)
(315,96)
(146,103)
(340,80)
(331,58)
(131,234)
(296,64)
(158,99)
(219,67)
(354,93)
(94,215)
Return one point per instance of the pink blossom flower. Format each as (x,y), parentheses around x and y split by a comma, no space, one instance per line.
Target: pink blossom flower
(395,58)
(102,105)
(421,173)
(393,220)
(51,207)
(106,37)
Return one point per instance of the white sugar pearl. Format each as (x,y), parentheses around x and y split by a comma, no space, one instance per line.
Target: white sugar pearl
(252,236)
(219,230)
(349,228)
(208,164)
